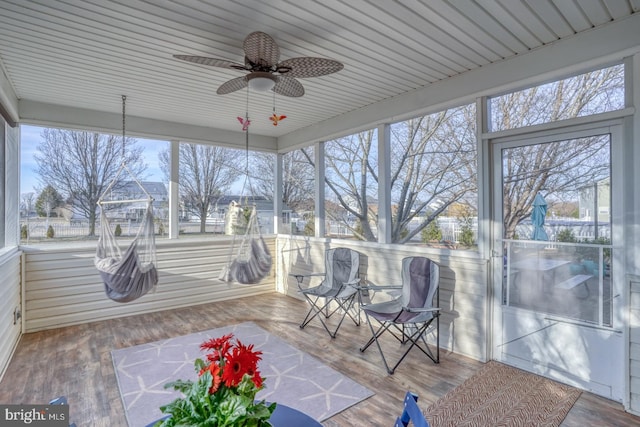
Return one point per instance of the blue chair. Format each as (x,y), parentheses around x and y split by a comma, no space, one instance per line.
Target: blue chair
(62,400)
(411,413)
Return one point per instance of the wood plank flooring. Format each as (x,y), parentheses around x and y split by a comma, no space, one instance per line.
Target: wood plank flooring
(76,362)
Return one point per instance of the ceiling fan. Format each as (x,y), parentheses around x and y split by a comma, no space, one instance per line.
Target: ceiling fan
(261,56)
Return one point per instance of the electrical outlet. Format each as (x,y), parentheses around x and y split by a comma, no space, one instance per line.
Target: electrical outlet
(16,315)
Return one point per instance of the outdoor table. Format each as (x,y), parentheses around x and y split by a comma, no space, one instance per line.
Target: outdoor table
(283,416)
(537,275)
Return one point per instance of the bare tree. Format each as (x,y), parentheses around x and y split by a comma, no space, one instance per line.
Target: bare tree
(297,179)
(557,168)
(351,176)
(433,167)
(27,203)
(82,164)
(434,158)
(206,173)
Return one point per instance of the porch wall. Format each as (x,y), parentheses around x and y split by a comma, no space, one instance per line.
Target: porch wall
(9,301)
(464,324)
(634,344)
(63,287)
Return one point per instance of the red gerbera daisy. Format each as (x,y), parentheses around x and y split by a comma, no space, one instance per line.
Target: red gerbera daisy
(219,346)
(240,361)
(214,370)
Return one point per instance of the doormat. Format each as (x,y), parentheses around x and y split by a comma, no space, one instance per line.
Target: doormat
(500,395)
(293,377)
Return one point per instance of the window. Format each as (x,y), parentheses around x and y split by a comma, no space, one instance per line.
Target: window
(433,179)
(556,214)
(589,93)
(351,186)
(298,190)
(64,172)
(209,182)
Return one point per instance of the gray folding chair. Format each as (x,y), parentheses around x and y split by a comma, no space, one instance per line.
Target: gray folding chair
(339,287)
(410,316)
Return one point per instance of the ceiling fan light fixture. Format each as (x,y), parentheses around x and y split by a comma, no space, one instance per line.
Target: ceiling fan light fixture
(261,81)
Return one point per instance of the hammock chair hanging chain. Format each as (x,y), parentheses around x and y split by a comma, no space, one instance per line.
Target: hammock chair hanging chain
(124,123)
(124,167)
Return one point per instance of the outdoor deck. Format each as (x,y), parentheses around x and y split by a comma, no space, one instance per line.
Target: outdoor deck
(76,362)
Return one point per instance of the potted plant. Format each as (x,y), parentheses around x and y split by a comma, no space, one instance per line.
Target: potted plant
(224,393)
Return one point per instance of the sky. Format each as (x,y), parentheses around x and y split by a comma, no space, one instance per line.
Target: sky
(31,137)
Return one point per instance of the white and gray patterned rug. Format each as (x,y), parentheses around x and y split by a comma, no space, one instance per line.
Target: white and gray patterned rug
(293,377)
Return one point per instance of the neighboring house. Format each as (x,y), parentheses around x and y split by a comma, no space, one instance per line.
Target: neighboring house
(590,203)
(264,209)
(134,210)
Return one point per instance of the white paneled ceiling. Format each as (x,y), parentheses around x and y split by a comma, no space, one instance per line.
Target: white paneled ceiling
(85,54)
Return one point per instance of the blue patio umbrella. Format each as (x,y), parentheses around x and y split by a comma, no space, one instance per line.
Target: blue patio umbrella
(537,218)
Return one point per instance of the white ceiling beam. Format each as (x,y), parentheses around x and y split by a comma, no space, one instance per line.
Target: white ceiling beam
(41,114)
(8,99)
(608,43)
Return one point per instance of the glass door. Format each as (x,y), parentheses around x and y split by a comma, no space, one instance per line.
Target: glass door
(557,279)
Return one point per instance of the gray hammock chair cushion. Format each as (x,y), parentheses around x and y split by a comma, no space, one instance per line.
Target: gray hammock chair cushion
(255,267)
(127,277)
(253,261)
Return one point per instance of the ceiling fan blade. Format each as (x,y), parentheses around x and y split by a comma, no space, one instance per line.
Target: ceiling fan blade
(288,86)
(232,85)
(310,67)
(261,49)
(213,62)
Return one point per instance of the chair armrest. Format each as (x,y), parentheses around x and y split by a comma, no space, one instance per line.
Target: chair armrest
(300,277)
(420,310)
(371,290)
(306,275)
(383,287)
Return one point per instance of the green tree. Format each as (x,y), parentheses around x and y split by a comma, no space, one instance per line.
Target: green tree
(465,218)
(50,232)
(566,235)
(47,201)
(431,233)
(310,226)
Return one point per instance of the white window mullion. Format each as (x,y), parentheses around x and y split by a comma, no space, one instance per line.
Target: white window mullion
(319,183)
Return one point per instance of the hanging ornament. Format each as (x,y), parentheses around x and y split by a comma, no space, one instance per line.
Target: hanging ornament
(244,122)
(275,118)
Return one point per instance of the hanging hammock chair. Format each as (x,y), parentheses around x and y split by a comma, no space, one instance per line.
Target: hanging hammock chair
(252,261)
(130,275)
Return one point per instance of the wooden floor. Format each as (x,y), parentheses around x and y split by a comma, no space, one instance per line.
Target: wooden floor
(76,362)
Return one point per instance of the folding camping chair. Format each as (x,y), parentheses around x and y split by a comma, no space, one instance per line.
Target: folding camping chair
(339,286)
(412,313)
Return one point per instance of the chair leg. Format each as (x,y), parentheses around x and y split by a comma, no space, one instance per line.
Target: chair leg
(342,304)
(374,338)
(411,338)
